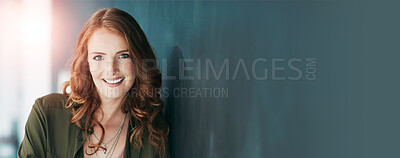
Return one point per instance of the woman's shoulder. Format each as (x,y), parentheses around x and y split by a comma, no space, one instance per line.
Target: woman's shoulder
(47,124)
(51,102)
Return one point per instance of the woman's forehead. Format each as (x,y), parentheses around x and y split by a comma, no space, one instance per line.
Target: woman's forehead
(106,41)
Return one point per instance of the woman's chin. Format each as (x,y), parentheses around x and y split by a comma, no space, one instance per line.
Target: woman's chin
(112,95)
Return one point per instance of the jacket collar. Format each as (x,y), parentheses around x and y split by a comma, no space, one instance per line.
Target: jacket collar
(130,149)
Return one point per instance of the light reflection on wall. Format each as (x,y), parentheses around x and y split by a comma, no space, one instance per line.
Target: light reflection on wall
(25,45)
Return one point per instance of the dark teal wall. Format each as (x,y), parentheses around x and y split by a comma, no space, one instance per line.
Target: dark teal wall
(349,110)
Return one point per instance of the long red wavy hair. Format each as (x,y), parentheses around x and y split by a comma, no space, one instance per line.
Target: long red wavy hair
(142,101)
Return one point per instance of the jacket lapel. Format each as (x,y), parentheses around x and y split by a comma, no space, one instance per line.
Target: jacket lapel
(79,139)
(130,150)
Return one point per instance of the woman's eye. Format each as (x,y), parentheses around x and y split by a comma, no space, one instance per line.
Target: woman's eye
(124,56)
(98,58)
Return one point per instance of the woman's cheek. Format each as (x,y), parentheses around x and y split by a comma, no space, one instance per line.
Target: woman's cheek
(94,66)
(129,70)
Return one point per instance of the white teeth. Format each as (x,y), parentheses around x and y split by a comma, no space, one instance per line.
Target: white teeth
(114,81)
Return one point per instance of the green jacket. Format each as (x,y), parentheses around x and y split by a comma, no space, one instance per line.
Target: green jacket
(48,133)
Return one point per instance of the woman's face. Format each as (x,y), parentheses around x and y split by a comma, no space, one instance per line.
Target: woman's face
(110,64)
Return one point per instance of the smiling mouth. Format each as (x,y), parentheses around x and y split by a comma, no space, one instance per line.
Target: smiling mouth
(114,82)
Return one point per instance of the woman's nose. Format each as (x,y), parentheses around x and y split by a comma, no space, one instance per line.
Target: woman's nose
(112,68)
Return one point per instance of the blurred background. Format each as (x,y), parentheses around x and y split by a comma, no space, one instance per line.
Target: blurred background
(282,79)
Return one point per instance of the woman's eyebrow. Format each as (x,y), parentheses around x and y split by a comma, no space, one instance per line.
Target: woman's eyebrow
(121,51)
(101,53)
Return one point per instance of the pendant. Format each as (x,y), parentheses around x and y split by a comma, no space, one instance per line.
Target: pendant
(105,149)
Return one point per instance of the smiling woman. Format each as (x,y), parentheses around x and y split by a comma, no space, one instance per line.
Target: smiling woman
(113,109)
(110,64)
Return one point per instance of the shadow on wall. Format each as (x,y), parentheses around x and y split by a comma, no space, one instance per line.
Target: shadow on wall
(173,104)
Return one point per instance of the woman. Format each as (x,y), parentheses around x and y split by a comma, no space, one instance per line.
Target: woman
(113,109)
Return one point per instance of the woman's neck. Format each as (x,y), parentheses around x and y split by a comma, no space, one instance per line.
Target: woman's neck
(112,112)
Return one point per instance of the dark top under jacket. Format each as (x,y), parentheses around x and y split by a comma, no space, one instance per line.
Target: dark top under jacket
(48,133)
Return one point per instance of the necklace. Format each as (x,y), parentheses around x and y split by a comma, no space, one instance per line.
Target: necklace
(117,134)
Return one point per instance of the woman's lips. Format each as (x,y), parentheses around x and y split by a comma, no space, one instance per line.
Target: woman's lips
(114,82)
